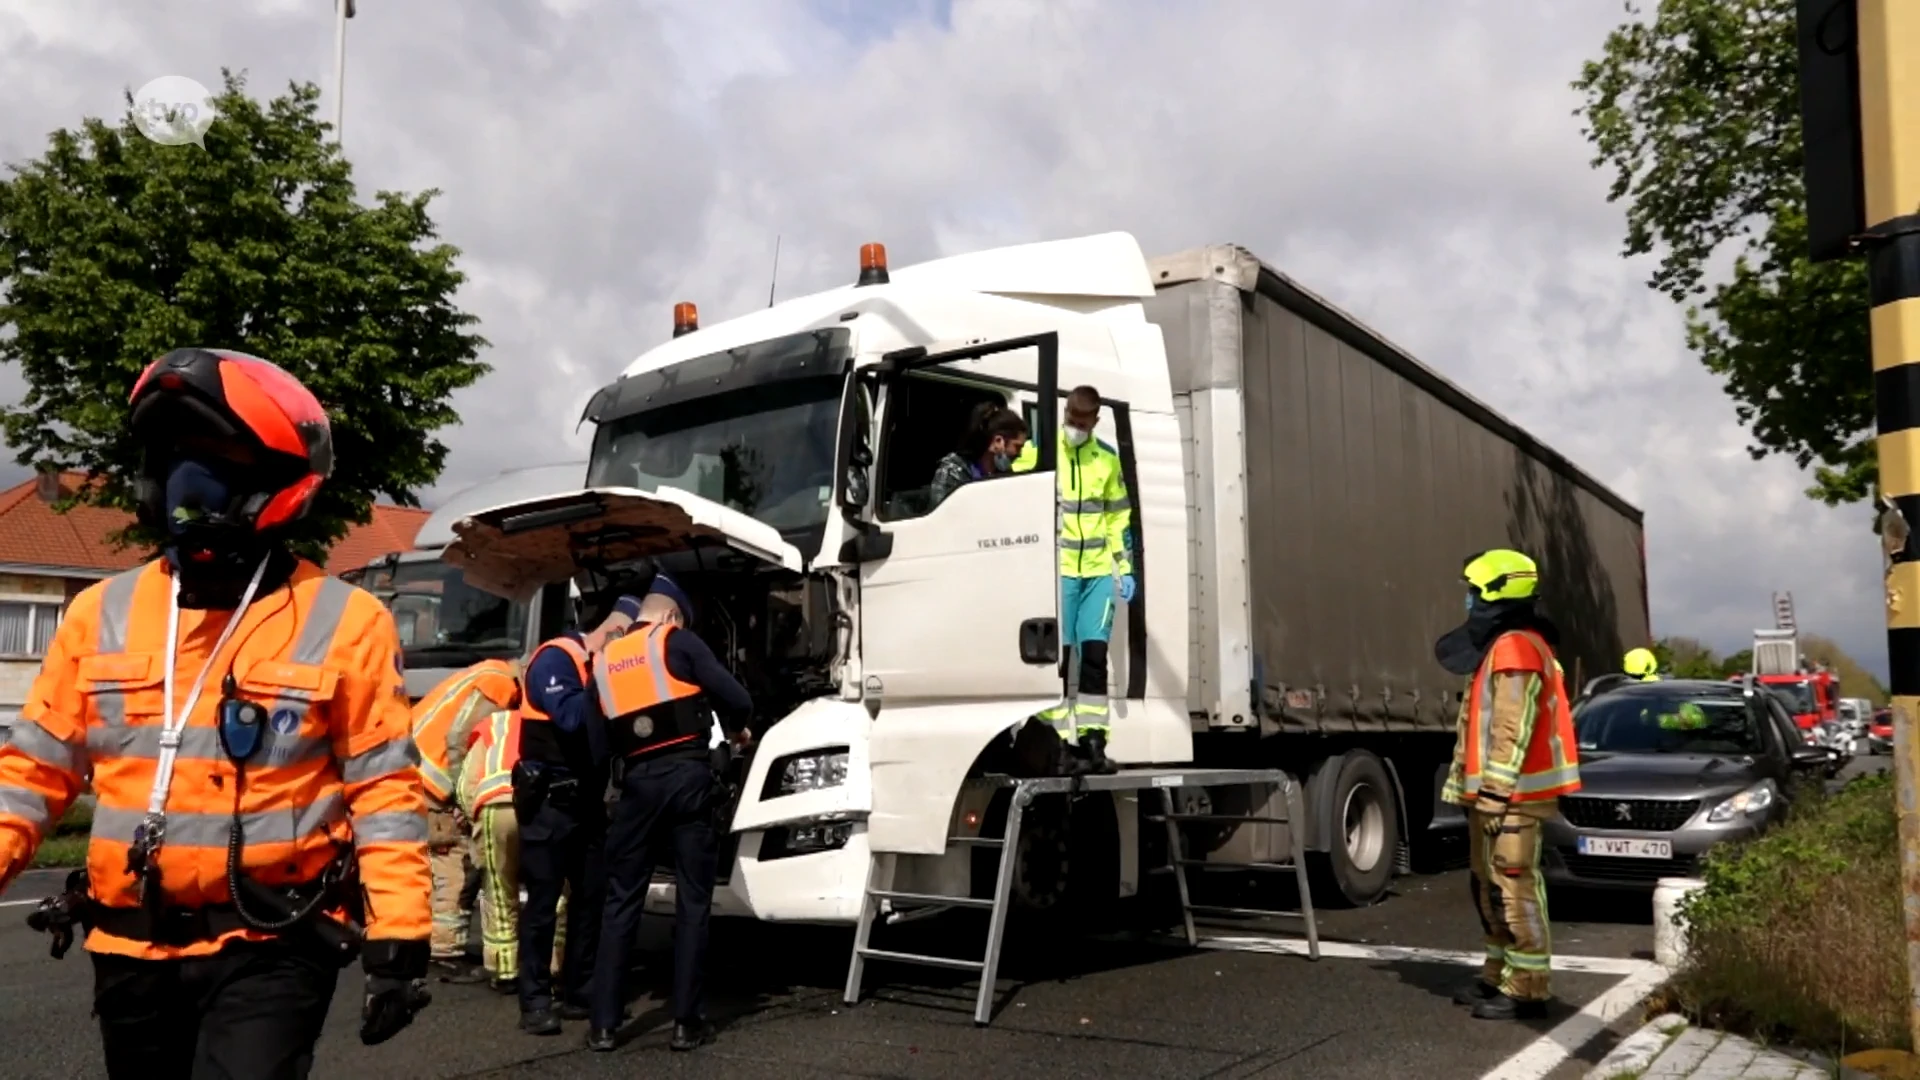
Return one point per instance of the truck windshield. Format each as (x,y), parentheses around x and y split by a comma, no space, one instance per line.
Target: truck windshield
(444,622)
(1797,695)
(1638,723)
(766,451)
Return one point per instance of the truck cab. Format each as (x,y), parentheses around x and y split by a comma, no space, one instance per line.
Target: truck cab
(778,464)
(445,623)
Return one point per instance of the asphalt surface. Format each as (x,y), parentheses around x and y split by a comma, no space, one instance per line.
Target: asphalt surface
(1108,1007)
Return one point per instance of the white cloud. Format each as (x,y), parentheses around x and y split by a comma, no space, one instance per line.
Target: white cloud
(1416,163)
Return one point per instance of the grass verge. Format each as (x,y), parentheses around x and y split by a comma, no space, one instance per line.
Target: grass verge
(67,847)
(1798,936)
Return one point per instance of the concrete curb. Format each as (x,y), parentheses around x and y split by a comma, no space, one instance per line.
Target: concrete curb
(1638,1050)
(1636,1054)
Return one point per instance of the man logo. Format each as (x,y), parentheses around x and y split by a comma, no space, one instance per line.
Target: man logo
(1623,811)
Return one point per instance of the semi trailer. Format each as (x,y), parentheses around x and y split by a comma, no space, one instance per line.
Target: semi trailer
(1304,496)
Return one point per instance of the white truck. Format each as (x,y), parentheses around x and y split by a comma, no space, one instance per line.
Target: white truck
(446,624)
(1304,493)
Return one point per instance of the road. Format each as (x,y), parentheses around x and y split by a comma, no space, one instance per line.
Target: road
(1107,1008)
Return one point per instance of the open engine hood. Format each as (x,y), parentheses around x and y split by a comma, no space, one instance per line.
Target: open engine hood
(514,549)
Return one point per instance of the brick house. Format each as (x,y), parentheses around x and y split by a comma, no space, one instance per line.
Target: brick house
(46,558)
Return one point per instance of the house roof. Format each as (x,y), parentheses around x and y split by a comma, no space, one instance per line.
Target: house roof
(33,534)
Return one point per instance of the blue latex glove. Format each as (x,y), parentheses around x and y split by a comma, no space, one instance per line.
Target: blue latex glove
(1127,588)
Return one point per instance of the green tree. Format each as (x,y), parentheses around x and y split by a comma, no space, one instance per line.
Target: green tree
(1697,113)
(1686,658)
(115,249)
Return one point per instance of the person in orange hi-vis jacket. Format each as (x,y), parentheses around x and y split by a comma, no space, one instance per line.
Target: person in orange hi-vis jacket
(243,720)
(442,723)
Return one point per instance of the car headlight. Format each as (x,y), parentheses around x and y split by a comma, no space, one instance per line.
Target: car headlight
(809,771)
(1751,801)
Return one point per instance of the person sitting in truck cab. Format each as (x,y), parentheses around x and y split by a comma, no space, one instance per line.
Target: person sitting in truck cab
(996,436)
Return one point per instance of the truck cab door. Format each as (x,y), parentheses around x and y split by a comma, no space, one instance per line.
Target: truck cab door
(959,600)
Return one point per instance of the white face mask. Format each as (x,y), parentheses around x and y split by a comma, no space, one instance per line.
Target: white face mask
(1077,436)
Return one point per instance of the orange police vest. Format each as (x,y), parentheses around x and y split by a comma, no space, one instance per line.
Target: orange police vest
(489,682)
(335,765)
(539,739)
(1549,768)
(631,676)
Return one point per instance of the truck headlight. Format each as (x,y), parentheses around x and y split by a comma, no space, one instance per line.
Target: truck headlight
(1751,801)
(809,771)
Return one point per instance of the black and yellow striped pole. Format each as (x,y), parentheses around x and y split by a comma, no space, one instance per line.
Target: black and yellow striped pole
(1860,99)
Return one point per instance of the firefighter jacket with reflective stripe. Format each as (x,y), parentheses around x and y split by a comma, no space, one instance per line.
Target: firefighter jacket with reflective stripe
(486,772)
(1515,735)
(646,706)
(1095,513)
(335,767)
(541,739)
(442,719)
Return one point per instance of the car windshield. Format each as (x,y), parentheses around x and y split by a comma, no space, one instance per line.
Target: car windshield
(766,451)
(445,622)
(1639,723)
(1797,695)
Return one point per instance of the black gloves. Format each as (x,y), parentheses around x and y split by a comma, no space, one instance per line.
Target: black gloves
(396,987)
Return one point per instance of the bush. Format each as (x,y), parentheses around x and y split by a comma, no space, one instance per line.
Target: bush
(1798,935)
(67,846)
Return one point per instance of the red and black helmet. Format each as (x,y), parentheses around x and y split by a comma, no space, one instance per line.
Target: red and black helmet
(247,407)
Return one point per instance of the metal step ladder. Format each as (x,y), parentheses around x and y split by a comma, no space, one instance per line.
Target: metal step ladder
(1025,791)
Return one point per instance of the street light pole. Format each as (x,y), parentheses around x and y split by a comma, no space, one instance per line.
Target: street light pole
(1888,36)
(343,10)
(1860,127)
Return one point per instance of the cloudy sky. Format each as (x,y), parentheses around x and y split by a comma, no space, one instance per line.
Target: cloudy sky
(1414,161)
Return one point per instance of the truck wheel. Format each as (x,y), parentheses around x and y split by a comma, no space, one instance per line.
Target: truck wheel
(1365,829)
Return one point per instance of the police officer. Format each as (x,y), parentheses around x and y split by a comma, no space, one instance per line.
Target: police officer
(243,722)
(558,800)
(659,686)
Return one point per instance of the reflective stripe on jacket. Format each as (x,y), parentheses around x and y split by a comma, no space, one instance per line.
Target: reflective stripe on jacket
(1523,748)
(457,702)
(1095,510)
(335,766)
(631,675)
(486,774)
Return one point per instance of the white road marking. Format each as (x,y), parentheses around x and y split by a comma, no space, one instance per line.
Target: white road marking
(1590,965)
(17,903)
(1538,1058)
(1545,1054)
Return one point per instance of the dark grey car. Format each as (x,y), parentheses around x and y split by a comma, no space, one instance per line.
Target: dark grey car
(1668,770)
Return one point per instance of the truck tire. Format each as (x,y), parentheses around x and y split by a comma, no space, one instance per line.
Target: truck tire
(1365,831)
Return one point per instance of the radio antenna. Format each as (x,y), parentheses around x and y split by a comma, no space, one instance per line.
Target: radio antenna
(776,270)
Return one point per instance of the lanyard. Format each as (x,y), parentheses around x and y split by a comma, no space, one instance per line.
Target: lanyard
(172,724)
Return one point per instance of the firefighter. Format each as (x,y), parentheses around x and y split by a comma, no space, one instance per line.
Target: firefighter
(485,794)
(441,722)
(559,786)
(1642,665)
(658,687)
(1515,754)
(1096,569)
(243,719)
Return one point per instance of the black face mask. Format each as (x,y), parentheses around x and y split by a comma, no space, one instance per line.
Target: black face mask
(213,550)
(1461,650)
